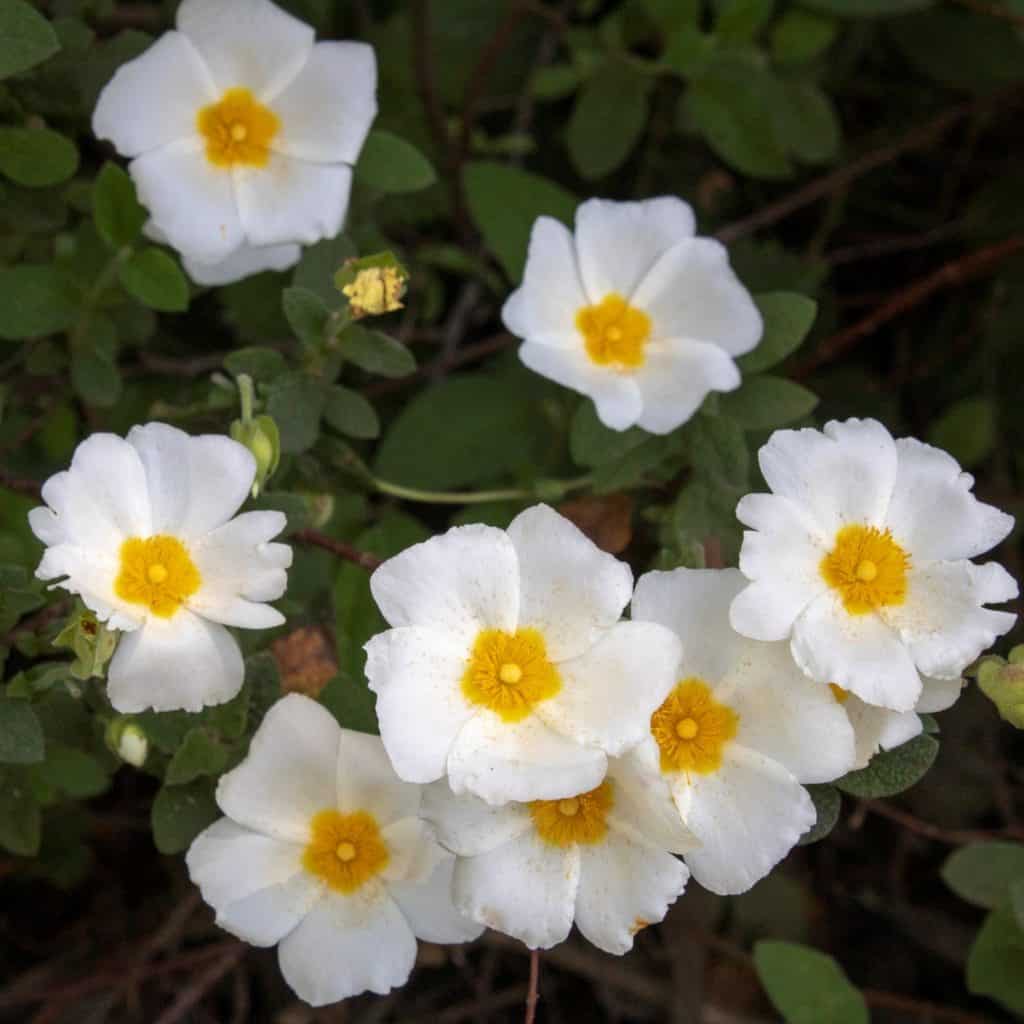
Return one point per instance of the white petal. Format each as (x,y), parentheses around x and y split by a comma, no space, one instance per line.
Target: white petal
(942,620)
(786,716)
(292,200)
(692,292)
(467,825)
(939,694)
(609,693)
(933,513)
(459,583)
(328,108)
(107,473)
(501,761)
(413,852)
(643,808)
(878,728)
(91,575)
(367,781)
(154,99)
(429,909)
(245,261)
(860,653)
(249,43)
(616,395)
(347,945)
(748,815)
(618,243)
(694,604)
(256,884)
(844,475)
(623,888)
(416,674)
(179,664)
(192,202)
(569,588)
(677,376)
(525,888)
(289,774)
(544,307)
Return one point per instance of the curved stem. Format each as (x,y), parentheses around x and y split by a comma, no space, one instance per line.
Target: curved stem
(545,489)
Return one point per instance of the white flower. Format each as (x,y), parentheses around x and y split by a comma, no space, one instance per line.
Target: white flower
(634,311)
(509,669)
(602,859)
(737,736)
(324,852)
(241,131)
(860,558)
(142,530)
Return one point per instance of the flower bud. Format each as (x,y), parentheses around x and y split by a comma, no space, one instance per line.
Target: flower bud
(91,641)
(260,435)
(127,741)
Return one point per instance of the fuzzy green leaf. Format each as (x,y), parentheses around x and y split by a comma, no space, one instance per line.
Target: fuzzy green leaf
(982,873)
(21,735)
(892,771)
(116,210)
(787,319)
(156,280)
(995,964)
(26,37)
(180,813)
(350,414)
(827,803)
(35,300)
(375,352)
(806,986)
(37,158)
(200,753)
(393,165)
(766,402)
(296,403)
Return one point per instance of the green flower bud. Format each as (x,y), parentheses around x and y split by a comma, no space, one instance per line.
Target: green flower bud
(127,741)
(260,435)
(91,641)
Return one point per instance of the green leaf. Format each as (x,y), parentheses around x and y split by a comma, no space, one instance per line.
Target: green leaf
(608,119)
(827,803)
(995,964)
(765,402)
(320,263)
(393,165)
(800,36)
(350,414)
(982,873)
(200,753)
(116,210)
(892,771)
(375,352)
(26,37)
(806,122)
(732,107)
(593,444)
(36,158)
(21,735)
(505,201)
(740,20)
(260,363)
(806,986)
(76,773)
(968,430)
(787,319)
(352,703)
(1017,901)
(20,819)
(306,313)
(35,300)
(463,430)
(156,280)
(296,403)
(867,8)
(180,813)
(94,372)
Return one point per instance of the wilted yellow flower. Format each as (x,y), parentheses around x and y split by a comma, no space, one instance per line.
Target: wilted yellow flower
(375,291)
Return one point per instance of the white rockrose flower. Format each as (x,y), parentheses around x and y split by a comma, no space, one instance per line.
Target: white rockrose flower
(743,728)
(602,859)
(322,852)
(860,558)
(508,669)
(241,132)
(634,311)
(142,530)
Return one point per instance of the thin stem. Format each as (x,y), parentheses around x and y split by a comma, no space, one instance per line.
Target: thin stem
(532,994)
(548,488)
(246,395)
(364,559)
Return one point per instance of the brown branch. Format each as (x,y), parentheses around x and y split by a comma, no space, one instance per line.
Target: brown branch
(532,993)
(364,559)
(21,485)
(951,274)
(920,1008)
(191,994)
(952,837)
(993,11)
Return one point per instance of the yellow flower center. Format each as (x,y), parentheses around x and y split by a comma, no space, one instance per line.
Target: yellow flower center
(509,673)
(614,332)
(577,819)
(346,850)
(841,695)
(867,567)
(691,729)
(157,572)
(238,130)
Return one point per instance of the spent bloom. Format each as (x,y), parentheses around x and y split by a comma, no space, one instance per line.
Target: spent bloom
(860,558)
(144,530)
(242,132)
(508,668)
(602,859)
(322,853)
(633,311)
(743,728)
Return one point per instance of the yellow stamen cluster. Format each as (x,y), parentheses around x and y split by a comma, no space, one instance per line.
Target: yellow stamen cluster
(375,291)
(692,729)
(346,850)
(577,819)
(509,673)
(238,130)
(868,569)
(157,572)
(614,332)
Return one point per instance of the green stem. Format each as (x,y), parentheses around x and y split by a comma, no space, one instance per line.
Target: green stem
(246,395)
(107,277)
(551,490)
